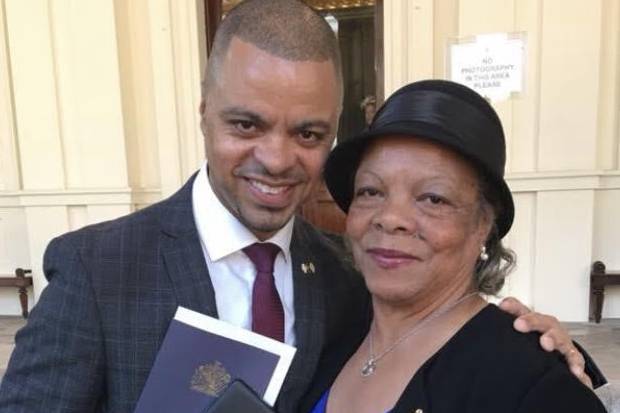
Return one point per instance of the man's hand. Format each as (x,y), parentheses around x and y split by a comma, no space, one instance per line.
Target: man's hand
(553,335)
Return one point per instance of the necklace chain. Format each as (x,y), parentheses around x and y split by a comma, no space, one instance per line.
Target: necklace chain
(371,364)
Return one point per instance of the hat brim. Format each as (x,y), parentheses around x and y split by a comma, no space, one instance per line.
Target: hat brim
(343,162)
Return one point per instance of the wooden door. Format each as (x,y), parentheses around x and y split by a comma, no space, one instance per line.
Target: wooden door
(360,45)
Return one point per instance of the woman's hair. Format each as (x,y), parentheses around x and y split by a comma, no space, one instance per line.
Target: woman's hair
(490,274)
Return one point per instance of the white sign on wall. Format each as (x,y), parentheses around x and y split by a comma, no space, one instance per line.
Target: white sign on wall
(491,64)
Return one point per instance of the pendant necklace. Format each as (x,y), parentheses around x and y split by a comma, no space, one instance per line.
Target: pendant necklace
(371,364)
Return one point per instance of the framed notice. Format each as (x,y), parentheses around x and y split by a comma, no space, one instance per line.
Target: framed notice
(491,64)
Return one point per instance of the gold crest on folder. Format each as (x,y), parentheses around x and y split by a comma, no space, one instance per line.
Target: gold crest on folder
(210,379)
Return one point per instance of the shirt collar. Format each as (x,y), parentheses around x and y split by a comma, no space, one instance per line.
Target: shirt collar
(220,232)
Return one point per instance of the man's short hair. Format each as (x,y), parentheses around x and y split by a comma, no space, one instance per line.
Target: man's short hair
(288,29)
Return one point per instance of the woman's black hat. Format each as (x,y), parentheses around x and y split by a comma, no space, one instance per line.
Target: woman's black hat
(443,112)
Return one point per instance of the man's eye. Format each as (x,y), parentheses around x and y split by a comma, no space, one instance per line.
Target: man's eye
(244,125)
(308,135)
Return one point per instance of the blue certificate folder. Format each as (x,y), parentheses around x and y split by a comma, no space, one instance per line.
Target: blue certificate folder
(201,355)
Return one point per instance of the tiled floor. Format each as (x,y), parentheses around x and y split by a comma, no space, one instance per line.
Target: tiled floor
(602,341)
(8,328)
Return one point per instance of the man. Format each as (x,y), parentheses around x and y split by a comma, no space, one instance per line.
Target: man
(368,106)
(272,99)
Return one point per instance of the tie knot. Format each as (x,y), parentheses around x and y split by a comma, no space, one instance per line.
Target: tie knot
(262,255)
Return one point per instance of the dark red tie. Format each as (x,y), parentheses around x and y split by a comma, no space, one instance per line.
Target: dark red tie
(267,311)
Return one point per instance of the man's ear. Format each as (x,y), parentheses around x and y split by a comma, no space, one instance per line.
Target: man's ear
(202,109)
(203,126)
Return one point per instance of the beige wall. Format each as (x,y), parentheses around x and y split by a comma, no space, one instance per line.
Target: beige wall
(98,117)
(563,131)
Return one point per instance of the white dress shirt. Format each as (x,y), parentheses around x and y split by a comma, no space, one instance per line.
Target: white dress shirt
(232,273)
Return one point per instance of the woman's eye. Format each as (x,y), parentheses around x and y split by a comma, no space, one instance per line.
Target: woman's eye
(367,192)
(434,199)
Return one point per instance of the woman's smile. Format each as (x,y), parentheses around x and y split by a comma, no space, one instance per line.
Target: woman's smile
(390,259)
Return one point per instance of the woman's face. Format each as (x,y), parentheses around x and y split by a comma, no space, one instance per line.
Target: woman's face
(416,223)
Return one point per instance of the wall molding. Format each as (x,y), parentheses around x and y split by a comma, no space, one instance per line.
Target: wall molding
(518,182)
(112,196)
(563,181)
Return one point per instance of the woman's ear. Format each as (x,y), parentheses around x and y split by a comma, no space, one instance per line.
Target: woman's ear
(486,222)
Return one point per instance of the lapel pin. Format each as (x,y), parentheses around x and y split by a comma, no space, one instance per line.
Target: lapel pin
(307,268)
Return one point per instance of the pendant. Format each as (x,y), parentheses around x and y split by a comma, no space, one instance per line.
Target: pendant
(369,367)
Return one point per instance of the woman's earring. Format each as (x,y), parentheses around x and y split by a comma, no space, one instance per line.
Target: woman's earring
(483,253)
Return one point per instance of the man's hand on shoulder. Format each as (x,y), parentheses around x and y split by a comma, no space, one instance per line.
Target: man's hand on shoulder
(553,335)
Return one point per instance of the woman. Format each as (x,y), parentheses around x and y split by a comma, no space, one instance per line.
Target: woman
(427,208)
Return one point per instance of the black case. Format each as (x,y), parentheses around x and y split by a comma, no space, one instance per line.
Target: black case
(239,398)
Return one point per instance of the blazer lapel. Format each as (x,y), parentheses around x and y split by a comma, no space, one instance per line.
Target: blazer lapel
(310,308)
(183,255)
(185,264)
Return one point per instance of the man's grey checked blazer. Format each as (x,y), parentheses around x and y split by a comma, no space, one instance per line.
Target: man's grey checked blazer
(92,338)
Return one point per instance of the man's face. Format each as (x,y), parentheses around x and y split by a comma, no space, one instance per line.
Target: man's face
(268,124)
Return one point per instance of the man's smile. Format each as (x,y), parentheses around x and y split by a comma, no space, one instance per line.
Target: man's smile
(268,189)
(278,196)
